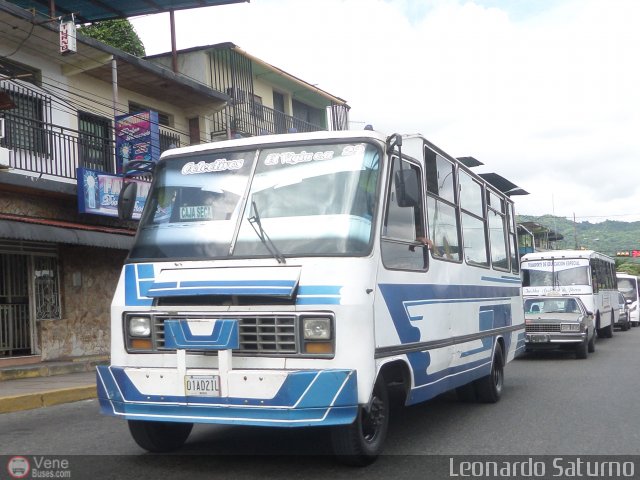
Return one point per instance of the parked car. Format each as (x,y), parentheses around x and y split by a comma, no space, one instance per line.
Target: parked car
(557,321)
(624,316)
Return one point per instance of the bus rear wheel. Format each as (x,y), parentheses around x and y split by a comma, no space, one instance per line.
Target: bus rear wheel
(360,443)
(159,437)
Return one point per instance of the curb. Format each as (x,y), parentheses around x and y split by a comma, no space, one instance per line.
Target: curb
(44,370)
(48,398)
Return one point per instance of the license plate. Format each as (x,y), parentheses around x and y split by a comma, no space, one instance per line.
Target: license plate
(202,385)
(538,338)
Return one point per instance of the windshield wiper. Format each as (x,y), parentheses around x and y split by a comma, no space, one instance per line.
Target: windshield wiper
(262,235)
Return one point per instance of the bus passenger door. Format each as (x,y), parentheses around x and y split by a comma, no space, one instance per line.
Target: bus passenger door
(407,319)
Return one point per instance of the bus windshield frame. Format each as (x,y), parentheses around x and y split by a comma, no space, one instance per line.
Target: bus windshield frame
(309,200)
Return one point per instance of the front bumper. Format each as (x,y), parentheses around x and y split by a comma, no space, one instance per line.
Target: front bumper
(250,397)
(542,339)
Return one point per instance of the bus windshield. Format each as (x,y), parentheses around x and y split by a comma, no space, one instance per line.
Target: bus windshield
(627,286)
(555,273)
(311,200)
(571,276)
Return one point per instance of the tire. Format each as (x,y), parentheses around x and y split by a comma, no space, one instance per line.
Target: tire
(606,332)
(159,437)
(489,388)
(582,349)
(360,443)
(592,343)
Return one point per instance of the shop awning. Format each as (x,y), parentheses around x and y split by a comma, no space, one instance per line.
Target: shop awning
(91,11)
(43,230)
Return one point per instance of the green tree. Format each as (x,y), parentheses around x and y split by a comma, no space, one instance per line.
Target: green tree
(117,33)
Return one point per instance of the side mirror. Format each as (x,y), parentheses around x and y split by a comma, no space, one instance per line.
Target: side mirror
(407,188)
(127,200)
(590,313)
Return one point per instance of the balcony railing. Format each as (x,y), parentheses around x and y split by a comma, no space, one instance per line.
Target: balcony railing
(48,149)
(250,119)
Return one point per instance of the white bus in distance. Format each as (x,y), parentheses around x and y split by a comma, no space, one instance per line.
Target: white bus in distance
(629,286)
(585,273)
(288,281)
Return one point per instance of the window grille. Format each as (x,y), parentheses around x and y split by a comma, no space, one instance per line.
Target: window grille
(46,288)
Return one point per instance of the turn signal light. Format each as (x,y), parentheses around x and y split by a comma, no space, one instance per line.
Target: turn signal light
(318,347)
(140,343)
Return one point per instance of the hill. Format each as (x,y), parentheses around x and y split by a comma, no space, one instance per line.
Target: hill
(607,237)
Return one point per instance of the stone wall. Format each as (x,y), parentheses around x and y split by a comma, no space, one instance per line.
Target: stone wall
(84,329)
(85,325)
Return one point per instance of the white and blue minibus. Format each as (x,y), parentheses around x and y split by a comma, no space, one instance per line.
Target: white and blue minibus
(586,273)
(294,280)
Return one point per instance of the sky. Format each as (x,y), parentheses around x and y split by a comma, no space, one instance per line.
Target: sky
(545,93)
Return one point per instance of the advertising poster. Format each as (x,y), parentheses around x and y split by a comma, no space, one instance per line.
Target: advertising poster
(98,193)
(137,138)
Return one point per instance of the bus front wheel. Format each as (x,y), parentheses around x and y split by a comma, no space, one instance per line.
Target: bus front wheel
(360,443)
(159,437)
(489,389)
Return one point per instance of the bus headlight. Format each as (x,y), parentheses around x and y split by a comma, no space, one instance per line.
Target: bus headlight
(317,336)
(138,333)
(316,328)
(139,326)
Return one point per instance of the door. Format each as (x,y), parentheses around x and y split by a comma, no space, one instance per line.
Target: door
(15,324)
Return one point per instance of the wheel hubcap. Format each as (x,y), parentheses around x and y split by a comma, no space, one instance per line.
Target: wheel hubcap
(372,420)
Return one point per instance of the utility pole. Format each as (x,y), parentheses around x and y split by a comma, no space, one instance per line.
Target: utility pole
(575,230)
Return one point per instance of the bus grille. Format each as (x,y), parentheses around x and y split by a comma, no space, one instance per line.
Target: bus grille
(542,327)
(257,334)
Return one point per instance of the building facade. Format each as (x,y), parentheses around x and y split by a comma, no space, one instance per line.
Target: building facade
(60,155)
(264,98)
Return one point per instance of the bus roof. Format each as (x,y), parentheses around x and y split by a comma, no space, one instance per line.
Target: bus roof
(553,254)
(274,139)
(625,275)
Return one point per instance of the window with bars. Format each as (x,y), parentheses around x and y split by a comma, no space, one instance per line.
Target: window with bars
(46,288)
(94,141)
(26,128)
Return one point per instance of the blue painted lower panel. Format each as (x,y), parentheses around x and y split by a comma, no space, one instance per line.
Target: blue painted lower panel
(306,398)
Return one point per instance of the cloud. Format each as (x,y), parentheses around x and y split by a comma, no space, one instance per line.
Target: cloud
(545,95)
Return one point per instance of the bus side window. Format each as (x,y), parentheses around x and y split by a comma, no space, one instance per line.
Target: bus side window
(404,219)
(444,229)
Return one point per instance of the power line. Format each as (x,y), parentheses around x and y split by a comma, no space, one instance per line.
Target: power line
(123,109)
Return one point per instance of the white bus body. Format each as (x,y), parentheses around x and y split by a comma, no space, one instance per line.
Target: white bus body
(300,295)
(629,286)
(584,273)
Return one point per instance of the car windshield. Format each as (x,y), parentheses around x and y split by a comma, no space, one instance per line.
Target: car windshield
(551,305)
(311,200)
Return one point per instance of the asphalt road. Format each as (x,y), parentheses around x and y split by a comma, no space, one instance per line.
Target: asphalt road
(552,405)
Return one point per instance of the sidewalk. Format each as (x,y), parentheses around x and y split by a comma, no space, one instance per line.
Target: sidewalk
(47,383)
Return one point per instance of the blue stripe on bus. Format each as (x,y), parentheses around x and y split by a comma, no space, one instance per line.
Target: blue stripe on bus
(399,297)
(141,288)
(327,397)
(137,280)
(224,335)
(503,279)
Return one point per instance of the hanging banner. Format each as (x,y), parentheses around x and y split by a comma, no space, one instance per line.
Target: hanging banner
(137,138)
(68,38)
(98,193)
